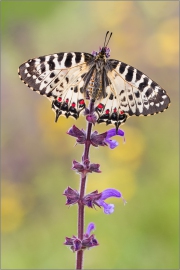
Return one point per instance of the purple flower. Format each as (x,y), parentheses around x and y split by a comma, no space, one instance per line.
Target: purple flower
(91,118)
(94,168)
(74,243)
(72,196)
(90,227)
(91,199)
(98,139)
(113,132)
(79,134)
(103,139)
(78,166)
(85,167)
(107,193)
(95,198)
(87,242)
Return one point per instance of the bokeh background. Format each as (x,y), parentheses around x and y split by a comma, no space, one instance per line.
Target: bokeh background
(37,154)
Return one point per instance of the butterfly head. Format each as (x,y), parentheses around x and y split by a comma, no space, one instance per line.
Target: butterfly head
(104,52)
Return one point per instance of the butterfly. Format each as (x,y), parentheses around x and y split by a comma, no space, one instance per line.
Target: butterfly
(70,80)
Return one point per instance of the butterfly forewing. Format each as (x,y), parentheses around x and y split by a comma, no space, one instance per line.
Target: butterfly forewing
(39,72)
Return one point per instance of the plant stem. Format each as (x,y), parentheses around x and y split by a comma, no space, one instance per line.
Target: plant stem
(79,258)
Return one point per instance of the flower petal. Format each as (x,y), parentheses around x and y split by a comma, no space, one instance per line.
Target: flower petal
(72,196)
(77,245)
(110,192)
(112,143)
(79,134)
(110,133)
(107,193)
(98,139)
(94,168)
(77,166)
(90,227)
(91,199)
(108,208)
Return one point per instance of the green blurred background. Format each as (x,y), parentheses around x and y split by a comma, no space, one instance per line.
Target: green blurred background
(37,154)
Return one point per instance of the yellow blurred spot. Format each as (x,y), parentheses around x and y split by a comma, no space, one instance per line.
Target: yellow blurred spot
(116,11)
(19,190)
(157,10)
(12,214)
(13,211)
(47,122)
(164,44)
(54,134)
(122,179)
(131,150)
(125,182)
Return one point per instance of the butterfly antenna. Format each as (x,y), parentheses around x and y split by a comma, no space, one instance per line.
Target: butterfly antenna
(105,38)
(109,39)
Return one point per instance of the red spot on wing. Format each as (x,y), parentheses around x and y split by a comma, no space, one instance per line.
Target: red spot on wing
(100,106)
(121,112)
(107,111)
(67,100)
(81,101)
(59,99)
(73,104)
(115,110)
